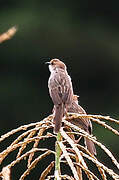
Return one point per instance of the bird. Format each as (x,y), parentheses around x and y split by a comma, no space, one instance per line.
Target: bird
(60,90)
(82,122)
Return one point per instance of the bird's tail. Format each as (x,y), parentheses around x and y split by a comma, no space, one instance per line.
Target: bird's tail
(58,117)
(90,146)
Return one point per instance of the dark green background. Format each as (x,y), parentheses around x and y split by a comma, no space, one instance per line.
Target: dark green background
(83,34)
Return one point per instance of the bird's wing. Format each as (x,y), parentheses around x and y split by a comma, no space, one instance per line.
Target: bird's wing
(60,88)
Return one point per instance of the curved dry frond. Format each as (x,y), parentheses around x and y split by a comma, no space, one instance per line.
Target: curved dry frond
(73,145)
(81,162)
(33,164)
(13,163)
(96,119)
(109,171)
(15,146)
(105,118)
(68,151)
(35,145)
(102,172)
(102,123)
(69,161)
(45,121)
(47,170)
(85,134)
(14,131)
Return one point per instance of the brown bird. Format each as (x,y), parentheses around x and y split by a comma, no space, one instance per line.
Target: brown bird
(83,123)
(60,89)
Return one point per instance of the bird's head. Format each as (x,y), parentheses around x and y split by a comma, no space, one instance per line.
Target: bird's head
(55,64)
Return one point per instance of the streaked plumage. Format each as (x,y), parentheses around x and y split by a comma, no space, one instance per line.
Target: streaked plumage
(60,89)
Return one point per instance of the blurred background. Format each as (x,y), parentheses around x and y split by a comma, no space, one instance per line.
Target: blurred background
(84,35)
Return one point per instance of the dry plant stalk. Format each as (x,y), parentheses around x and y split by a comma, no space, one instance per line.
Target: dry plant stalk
(8,34)
(67,151)
(6,174)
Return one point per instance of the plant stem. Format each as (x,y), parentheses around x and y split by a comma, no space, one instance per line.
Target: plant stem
(57,158)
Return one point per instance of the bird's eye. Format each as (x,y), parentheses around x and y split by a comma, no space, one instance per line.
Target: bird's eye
(52,63)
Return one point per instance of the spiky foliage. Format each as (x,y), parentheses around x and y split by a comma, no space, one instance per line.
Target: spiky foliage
(67,153)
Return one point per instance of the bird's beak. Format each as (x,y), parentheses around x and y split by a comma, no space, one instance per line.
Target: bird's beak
(47,63)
